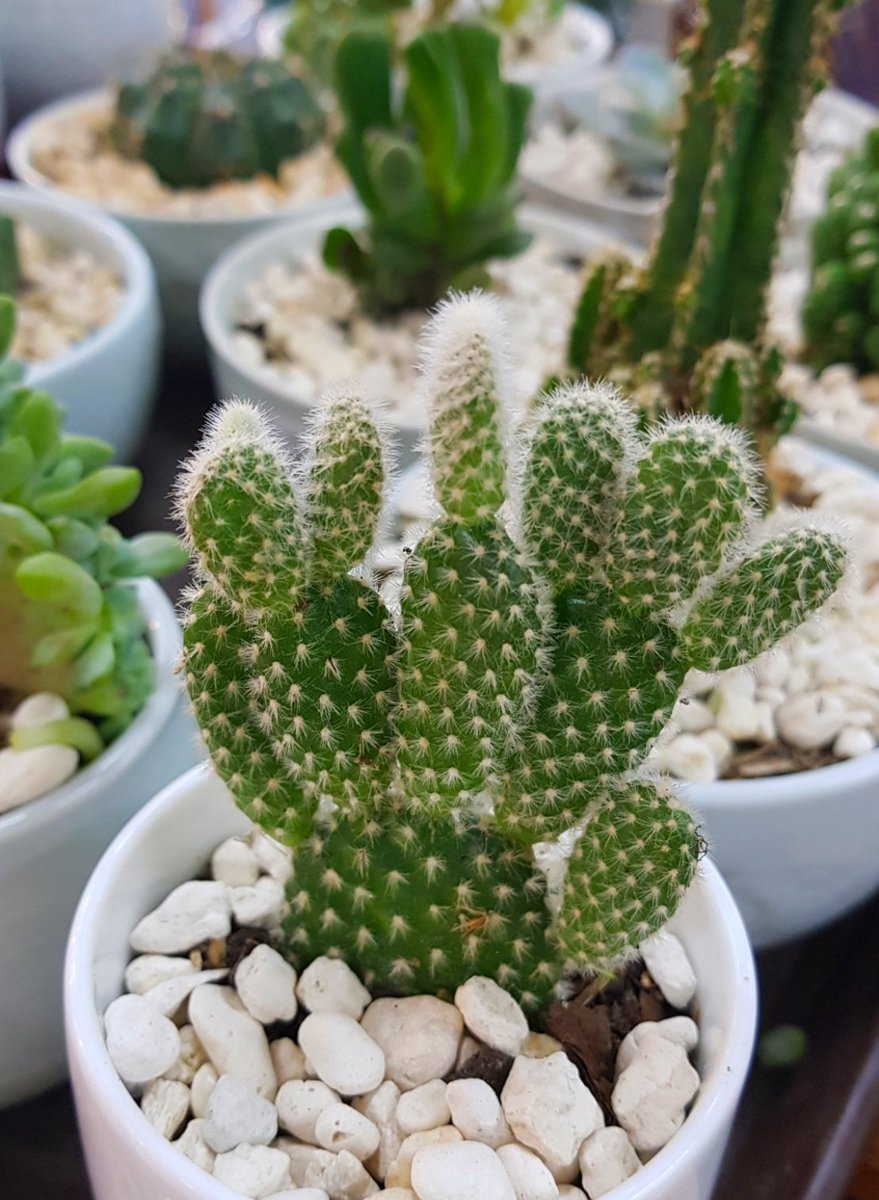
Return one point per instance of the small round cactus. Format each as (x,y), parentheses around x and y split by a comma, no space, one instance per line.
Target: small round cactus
(841,310)
(207,118)
(414,755)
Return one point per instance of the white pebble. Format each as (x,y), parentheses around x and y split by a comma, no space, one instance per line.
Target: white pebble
(476,1112)
(299,1103)
(25,775)
(607,1159)
(668,963)
(688,757)
(236,1114)
(142,1044)
(39,709)
(380,1107)
(170,994)
(165,1104)
(529,1176)
(300,1194)
(719,747)
(650,1097)
(266,985)
(466,1050)
(744,720)
(340,1127)
(540,1045)
(397,1193)
(419,1035)
(193,1145)
(692,716)
(254,1171)
(682,1030)
(425,1107)
(492,1015)
(192,913)
(400,1171)
(276,860)
(347,1179)
(460,1172)
(810,720)
(203,1084)
(343,1053)
(261,904)
(308,1164)
(329,985)
(191,1057)
(567,1191)
(772,669)
(551,1110)
(235,1043)
(852,741)
(148,970)
(288,1060)
(234,863)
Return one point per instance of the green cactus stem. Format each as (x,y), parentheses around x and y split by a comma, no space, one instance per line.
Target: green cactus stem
(546,620)
(202,119)
(9,268)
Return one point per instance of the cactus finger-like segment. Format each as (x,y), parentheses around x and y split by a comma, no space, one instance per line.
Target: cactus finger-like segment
(471,644)
(345,483)
(688,499)
(763,597)
(420,907)
(8,260)
(465,372)
(627,874)
(726,384)
(581,442)
(294,708)
(237,504)
(598,332)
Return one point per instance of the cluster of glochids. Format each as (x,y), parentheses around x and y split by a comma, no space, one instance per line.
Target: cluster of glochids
(413,754)
(687,332)
(71,623)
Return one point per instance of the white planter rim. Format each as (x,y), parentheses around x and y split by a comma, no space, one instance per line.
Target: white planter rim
(797,788)
(295,239)
(18,156)
(713,1107)
(132,261)
(163,634)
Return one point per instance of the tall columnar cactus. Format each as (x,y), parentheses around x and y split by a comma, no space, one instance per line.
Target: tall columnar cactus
(753,66)
(841,311)
(8,256)
(434,168)
(206,118)
(515,694)
(69,621)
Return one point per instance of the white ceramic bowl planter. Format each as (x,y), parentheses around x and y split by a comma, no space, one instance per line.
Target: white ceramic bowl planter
(49,847)
(107,381)
(222,300)
(182,248)
(172,839)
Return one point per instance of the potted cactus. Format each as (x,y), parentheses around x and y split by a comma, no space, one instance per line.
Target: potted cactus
(190,158)
(686,332)
(434,166)
(456,769)
(88,726)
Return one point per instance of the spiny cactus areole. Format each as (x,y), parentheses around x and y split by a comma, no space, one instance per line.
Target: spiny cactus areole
(516,693)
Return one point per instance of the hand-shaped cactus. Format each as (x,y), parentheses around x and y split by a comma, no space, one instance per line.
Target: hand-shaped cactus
(69,621)
(534,659)
(435,170)
(841,311)
(206,118)
(753,66)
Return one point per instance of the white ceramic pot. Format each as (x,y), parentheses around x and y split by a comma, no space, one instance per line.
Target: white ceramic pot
(171,840)
(106,382)
(182,249)
(220,305)
(49,847)
(50,48)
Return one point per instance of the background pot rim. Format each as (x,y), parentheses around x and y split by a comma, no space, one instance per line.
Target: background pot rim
(131,260)
(713,1107)
(18,156)
(108,769)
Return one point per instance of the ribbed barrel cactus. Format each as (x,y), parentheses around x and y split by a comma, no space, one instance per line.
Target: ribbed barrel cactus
(414,755)
(70,622)
(434,166)
(753,66)
(205,118)
(841,311)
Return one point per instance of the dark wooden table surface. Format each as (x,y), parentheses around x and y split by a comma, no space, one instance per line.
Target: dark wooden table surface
(798,1133)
